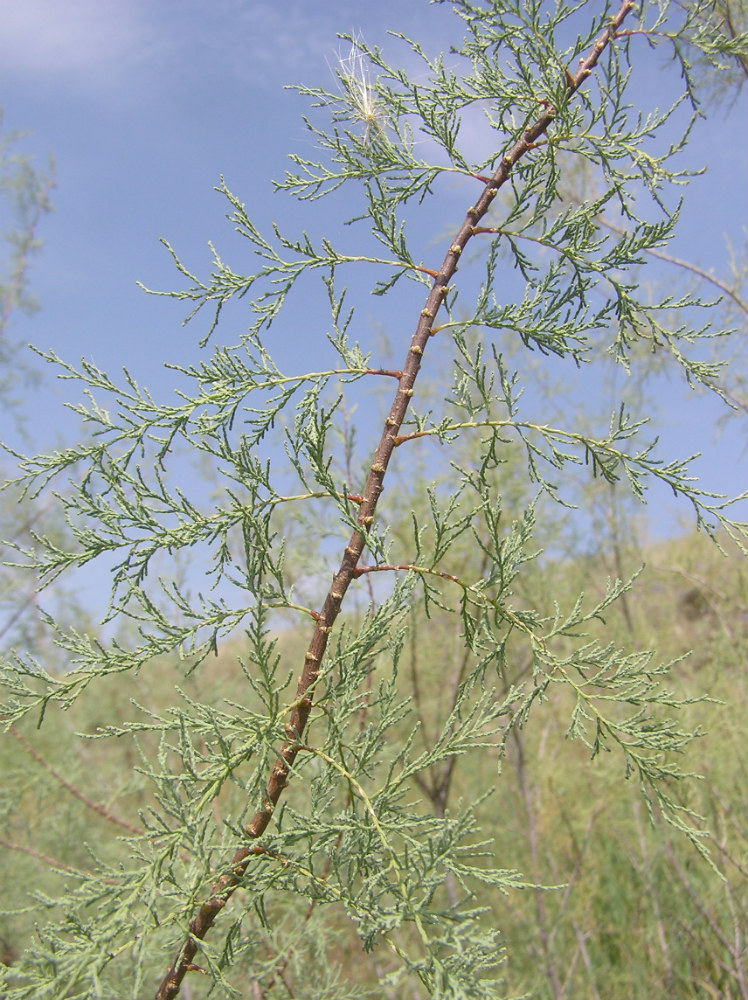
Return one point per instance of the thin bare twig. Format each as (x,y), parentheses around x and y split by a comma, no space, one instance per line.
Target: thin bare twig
(94,806)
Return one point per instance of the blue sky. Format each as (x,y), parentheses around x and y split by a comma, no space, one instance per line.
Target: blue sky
(144,106)
(144,103)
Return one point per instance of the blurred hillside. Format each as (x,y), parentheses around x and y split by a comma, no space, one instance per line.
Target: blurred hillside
(627,907)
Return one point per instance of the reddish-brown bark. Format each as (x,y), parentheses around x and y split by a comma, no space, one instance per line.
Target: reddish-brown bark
(225,886)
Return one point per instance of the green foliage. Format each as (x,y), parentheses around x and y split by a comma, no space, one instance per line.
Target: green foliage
(275,816)
(24,200)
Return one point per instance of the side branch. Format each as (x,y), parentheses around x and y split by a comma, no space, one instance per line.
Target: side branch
(225,886)
(94,806)
(409,568)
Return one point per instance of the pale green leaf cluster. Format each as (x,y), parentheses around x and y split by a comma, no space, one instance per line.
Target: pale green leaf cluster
(352,840)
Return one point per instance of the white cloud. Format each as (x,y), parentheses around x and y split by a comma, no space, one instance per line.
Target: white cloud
(122,47)
(90,40)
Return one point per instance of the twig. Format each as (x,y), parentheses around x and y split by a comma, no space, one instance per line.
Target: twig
(226,885)
(98,809)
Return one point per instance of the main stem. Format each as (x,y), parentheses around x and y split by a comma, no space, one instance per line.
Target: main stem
(225,886)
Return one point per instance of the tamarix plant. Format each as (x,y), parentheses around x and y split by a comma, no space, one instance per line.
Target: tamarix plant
(280,818)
